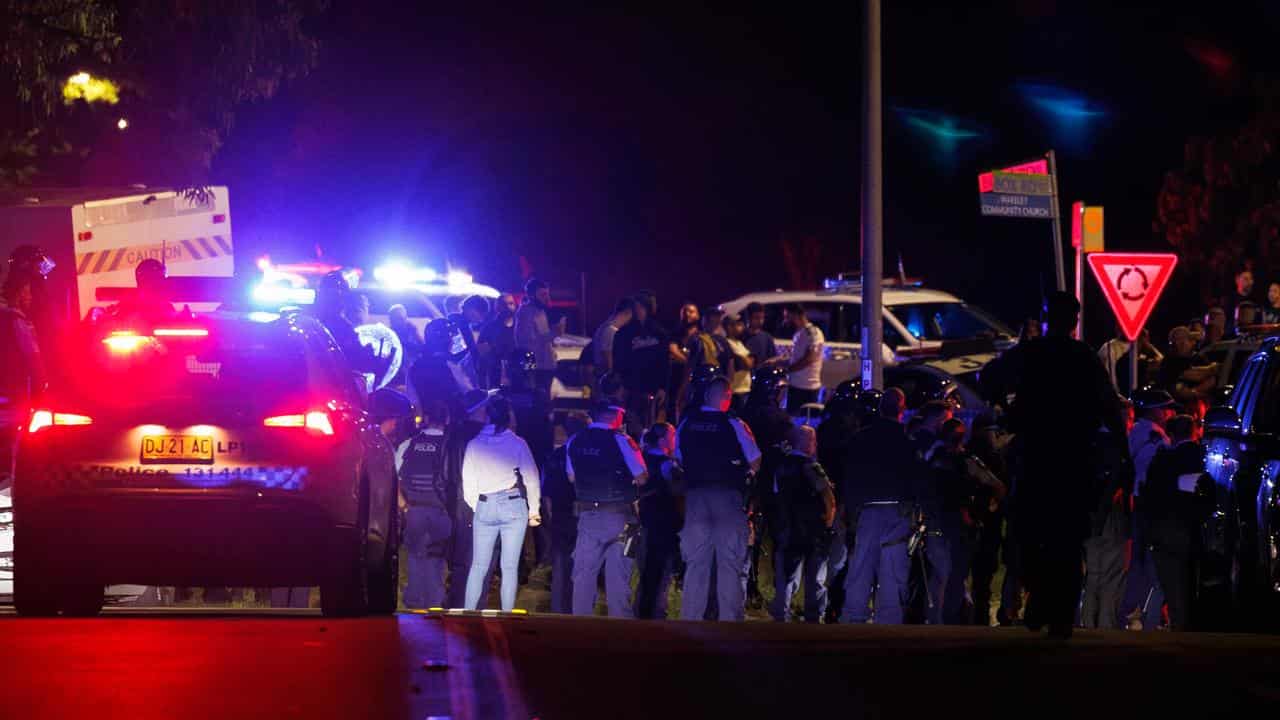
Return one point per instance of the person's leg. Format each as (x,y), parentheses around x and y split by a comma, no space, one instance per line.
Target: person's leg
(837,570)
(985,562)
(414,552)
(439,528)
(937,559)
(654,569)
(565,532)
(698,552)
(864,565)
(1091,604)
(956,609)
(512,528)
(1109,558)
(893,593)
(588,558)
(484,533)
(1170,569)
(730,537)
(787,567)
(815,584)
(460,559)
(618,569)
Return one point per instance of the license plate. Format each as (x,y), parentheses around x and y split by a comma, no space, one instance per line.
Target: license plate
(158,449)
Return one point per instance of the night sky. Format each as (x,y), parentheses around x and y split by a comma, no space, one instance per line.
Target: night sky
(677,151)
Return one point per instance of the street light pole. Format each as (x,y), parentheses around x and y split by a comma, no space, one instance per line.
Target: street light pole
(872,203)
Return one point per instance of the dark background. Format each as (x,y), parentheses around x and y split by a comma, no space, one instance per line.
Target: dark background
(678,151)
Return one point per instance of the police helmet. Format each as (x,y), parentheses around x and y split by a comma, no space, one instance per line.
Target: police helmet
(704,374)
(438,336)
(768,378)
(1148,399)
(522,359)
(847,390)
(868,404)
(30,259)
(388,404)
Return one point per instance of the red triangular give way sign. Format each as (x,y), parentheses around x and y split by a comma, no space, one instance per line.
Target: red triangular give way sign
(1132,283)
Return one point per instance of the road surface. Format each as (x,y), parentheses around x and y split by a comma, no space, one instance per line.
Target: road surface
(297,665)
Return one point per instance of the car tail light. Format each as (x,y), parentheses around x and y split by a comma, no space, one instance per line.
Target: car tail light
(317,421)
(41,419)
(125,341)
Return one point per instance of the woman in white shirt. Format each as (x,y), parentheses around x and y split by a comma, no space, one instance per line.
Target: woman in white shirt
(490,487)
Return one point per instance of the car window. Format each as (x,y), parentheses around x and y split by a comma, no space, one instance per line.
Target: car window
(1245,396)
(331,367)
(826,315)
(1266,410)
(946,321)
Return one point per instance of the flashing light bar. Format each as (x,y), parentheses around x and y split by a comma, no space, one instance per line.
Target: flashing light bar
(279,295)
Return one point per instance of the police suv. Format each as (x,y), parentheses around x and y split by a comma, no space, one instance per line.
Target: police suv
(923,326)
(228,449)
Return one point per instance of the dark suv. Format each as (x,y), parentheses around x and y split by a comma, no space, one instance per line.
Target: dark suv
(1242,455)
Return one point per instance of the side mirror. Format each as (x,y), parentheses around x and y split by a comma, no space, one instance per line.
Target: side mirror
(1223,421)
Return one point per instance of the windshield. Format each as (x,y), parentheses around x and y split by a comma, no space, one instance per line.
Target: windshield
(947,321)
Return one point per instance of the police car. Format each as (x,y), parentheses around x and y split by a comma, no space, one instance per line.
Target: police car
(229,449)
(923,326)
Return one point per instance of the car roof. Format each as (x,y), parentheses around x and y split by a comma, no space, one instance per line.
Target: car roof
(890,295)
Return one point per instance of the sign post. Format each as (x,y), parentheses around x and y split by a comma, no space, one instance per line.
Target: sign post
(1132,283)
(1086,237)
(1026,190)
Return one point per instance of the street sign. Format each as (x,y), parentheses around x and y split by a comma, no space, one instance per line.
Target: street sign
(1132,283)
(987,180)
(1022,206)
(1021,183)
(1086,228)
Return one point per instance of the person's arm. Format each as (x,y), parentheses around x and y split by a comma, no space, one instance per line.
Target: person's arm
(532,480)
(25,338)
(676,353)
(819,481)
(635,461)
(470,480)
(747,441)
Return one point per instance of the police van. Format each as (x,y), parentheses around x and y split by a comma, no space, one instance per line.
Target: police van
(921,326)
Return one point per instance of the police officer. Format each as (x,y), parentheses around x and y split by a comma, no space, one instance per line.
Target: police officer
(806,509)
(605,468)
(719,456)
(331,301)
(698,380)
(428,522)
(835,432)
(437,376)
(771,427)
(22,368)
(1176,502)
(1154,409)
(472,417)
(886,487)
(559,497)
(532,407)
(660,516)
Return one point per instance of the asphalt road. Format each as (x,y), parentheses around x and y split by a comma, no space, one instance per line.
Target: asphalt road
(282,665)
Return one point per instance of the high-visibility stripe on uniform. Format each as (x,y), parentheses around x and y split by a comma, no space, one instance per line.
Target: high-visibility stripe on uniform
(184,250)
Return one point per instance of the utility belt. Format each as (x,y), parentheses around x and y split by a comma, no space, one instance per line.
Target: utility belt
(620,506)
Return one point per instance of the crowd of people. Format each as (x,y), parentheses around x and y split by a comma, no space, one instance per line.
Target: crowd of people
(695,466)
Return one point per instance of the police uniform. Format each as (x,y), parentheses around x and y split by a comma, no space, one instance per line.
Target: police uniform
(428,525)
(834,435)
(770,426)
(718,453)
(800,538)
(885,483)
(1142,586)
(558,493)
(660,519)
(603,464)
(1175,505)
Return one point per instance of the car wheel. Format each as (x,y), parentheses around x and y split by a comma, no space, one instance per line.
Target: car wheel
(81,600)
(384,582)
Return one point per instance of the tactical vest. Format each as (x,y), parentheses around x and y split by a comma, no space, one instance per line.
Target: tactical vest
(710,452)
(422,476)
(600,472)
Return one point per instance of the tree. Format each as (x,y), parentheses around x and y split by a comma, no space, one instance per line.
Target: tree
(183,67)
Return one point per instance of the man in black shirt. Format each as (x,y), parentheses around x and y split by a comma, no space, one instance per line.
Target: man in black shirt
(1176,501)
(1183,374)
(642,360)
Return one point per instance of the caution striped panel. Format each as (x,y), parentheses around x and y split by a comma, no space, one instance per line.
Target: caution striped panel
(188,250)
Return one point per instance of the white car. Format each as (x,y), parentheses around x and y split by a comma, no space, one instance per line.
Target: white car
(920,325)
